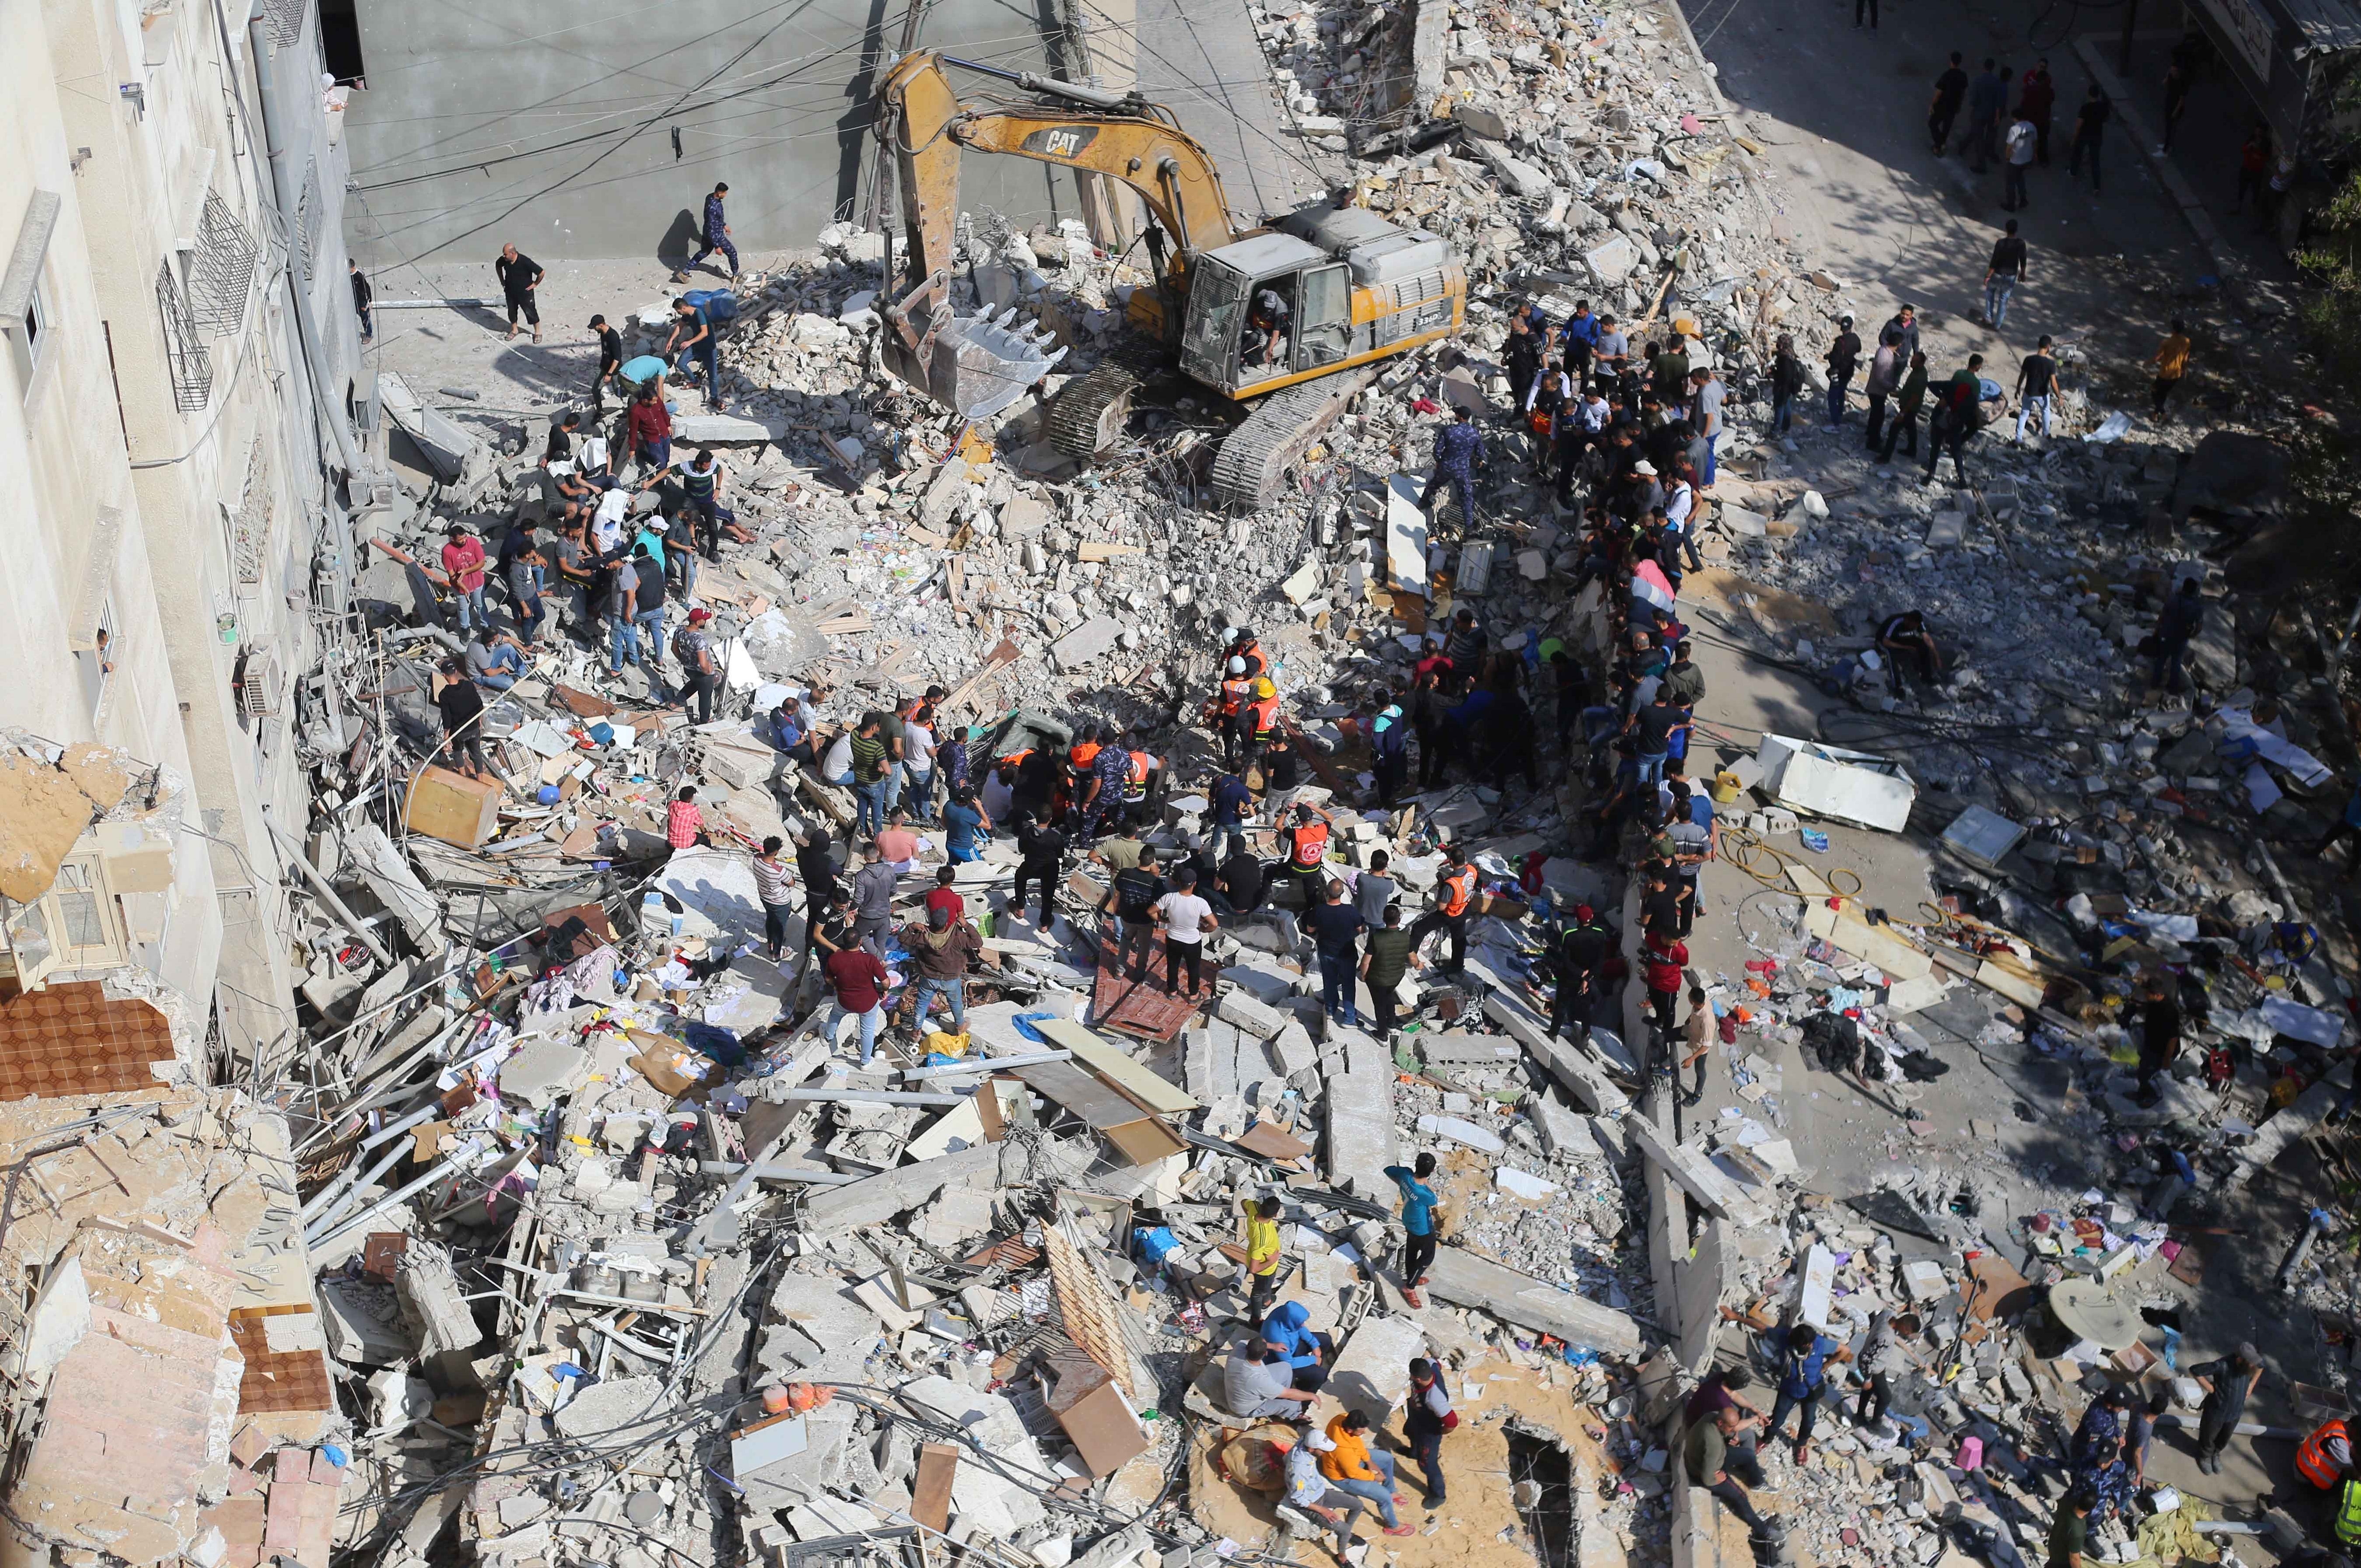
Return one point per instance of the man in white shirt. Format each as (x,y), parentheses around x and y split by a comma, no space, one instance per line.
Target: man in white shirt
(918,765)
(606,526)
(1185,919)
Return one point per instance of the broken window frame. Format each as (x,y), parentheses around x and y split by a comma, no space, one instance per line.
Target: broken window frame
(189,362)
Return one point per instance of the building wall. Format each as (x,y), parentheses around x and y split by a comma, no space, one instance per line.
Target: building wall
(505,122)
(203,441)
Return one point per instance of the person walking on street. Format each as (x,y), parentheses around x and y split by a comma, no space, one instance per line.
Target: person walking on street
(2019,151)
(2004,273)
(2170,359)
(1418,1222)
(1844,358)
(2253,162)
(2176,83)
(520,274)
(362,296)
(1455,446)
(1426,1416)
(1943,109)
(2228,1381)
(2090,128)
(610,364)
(2037,386)
(1987,96)
(1906,404)
(2037,100)
(1718,1457)
(716,235)
(692,336)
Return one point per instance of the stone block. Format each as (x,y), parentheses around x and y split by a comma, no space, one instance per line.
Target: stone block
(1251,1016)
(1612,260)
(1371,1373)
(1086,642)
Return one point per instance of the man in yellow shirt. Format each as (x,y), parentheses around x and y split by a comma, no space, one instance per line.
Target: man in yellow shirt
(1262,1254)
(1364,1472)
(2171,362)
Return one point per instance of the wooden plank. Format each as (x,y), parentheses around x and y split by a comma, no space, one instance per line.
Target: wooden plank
(1129,1078)
(931,1498)
(1004,654)
(1094,549)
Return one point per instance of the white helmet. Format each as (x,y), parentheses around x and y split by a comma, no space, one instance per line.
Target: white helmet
(1237,665)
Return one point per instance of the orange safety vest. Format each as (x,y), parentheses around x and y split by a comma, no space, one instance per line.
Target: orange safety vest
(1457,889)
(2312,1459)
(1311,845)
(1265,713)
(1252,654)
(1235,695)
(1136,786)
(1083,756)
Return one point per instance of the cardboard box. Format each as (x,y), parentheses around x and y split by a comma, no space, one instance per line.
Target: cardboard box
(1105,1432)
(453,808)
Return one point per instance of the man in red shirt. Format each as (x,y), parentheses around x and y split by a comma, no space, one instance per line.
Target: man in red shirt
(2037,96)
(463,559)
(649,424)
(859,982)
(946,897)
(1665,958)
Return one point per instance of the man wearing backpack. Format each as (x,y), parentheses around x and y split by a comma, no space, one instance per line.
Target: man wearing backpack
(693,646)
(1805,1357)
(1426,1416)
(1132,899)
(692,336)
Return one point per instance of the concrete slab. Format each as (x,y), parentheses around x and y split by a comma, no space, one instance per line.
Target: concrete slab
(1697,1176)
(1405,536)
(1583,1078)
(1360,1112)
(1086,642)
(880,1197)
(1464,1279)
(1371,1374)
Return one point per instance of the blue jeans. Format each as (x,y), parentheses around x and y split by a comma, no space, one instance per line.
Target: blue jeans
(1336,988)
(1783,414)
(894,787)
(649,623)
(871,797)
(1807,1406)
(2042,402)
(1651,766)
(1837,400)
(1712,459)
(529,617)
(871,1022)
(2170,671)
(712,359)
(472,609)
(921,782)
(1996,294)
(1426,1450)
(622,644)
(925,993)
(1379,1494)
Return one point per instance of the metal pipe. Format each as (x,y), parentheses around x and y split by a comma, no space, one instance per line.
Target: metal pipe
(331,403)
(868,1097)
(441,1167)
(345,1191)
(328,895)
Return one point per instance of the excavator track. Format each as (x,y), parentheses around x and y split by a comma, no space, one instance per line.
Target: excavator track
(1255,458)
(1091,411)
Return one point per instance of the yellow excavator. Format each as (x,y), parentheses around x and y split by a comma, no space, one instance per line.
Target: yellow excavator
(1291,317)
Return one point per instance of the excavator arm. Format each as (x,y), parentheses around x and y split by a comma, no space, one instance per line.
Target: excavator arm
(980,365)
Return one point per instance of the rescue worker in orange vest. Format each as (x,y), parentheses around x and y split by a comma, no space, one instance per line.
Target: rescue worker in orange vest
(1144,769)
(2322,1457)
(1261,719)
(1307,851)
(1223,713)
(1244,646)
(1455,901)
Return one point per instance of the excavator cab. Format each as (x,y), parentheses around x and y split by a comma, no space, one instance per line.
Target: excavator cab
(1263,312)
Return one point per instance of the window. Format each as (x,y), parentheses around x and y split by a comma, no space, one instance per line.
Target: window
(95,664)
(24,301)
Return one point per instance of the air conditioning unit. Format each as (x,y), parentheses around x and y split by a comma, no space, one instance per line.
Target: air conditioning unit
(261,688)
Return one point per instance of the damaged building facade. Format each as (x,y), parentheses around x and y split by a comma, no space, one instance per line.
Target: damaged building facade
(179,425)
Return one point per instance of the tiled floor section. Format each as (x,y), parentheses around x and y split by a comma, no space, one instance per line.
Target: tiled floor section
(70,1039)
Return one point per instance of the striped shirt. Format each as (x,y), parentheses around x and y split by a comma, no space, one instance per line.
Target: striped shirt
(771,885)
(868,759)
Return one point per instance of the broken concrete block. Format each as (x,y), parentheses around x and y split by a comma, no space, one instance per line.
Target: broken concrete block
(1459,1130)
(1523,181)
(1252,1017)
(1086,642)
(1302,584)
(1464,1279)
(1371,1372)
(1292,1050)
(1612,260)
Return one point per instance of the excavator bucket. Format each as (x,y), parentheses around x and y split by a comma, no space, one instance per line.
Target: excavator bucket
(979,365)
